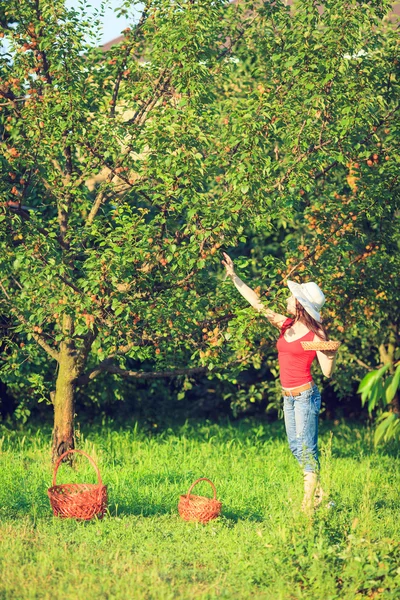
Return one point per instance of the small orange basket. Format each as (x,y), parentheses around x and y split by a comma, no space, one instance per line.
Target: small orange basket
(199,508)
(78,500)
(331,345)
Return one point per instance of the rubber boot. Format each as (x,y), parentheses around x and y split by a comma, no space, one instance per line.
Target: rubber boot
(310,483)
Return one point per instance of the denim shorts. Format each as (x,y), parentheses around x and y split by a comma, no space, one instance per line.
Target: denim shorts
(301,422)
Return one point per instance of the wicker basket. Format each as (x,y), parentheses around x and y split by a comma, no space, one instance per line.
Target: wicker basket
(199,508)
(332,346)
(78,500)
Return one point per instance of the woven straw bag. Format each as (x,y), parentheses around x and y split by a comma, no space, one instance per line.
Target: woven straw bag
(331,345)
(78,500)
(199,508)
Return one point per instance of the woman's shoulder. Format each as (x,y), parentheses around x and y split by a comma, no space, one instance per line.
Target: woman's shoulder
(287,321)
(285,326)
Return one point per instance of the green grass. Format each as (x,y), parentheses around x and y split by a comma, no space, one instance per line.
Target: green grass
(262,546)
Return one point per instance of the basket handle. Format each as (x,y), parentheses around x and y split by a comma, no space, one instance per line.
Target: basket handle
(78,452)
(203,479)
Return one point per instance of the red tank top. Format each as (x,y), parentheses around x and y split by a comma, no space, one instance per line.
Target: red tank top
(294,362)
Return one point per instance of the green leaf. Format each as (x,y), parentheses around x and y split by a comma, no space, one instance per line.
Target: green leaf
(375,395)
(370,379)
(393,385)
(387,420)
(367,382)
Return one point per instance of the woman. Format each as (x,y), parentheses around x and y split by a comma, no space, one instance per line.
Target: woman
(302,399)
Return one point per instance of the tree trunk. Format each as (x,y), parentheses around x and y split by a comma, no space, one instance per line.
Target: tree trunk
(64,403)
(396,404)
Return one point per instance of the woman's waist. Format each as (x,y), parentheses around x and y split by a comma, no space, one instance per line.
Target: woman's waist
(298,388)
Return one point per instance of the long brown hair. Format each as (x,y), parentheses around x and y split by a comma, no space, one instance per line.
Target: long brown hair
(309,322)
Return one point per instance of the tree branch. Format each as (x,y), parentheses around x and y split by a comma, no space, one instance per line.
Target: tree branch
(365,139)
(139,118)
(45,67)
(109,367)
(159,88)
(127,52)
(38,338)
(363,364)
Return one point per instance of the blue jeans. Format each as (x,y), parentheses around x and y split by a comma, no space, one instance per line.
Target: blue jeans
(301,422)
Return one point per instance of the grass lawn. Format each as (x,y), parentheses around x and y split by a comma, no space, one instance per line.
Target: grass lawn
(262,546)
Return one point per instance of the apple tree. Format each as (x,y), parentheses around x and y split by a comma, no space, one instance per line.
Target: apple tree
(126,173)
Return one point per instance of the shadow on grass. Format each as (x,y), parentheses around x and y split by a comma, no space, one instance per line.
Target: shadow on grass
(228,517)
(145,501)
(360,451)
(143,504)
(231,518)
(387,505)
(350,440)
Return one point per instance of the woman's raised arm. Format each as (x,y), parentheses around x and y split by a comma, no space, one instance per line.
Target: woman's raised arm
(250,295)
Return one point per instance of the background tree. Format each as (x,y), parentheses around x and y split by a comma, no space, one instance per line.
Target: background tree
(129,171)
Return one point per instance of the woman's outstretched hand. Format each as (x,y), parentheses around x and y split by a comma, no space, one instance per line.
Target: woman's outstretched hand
(228,264)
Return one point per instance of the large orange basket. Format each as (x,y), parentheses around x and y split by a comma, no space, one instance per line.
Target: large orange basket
(78,500)
(199,508)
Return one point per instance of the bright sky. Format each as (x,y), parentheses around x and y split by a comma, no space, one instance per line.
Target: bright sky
(112,26)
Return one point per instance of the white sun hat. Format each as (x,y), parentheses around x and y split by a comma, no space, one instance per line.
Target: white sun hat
(310,297)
